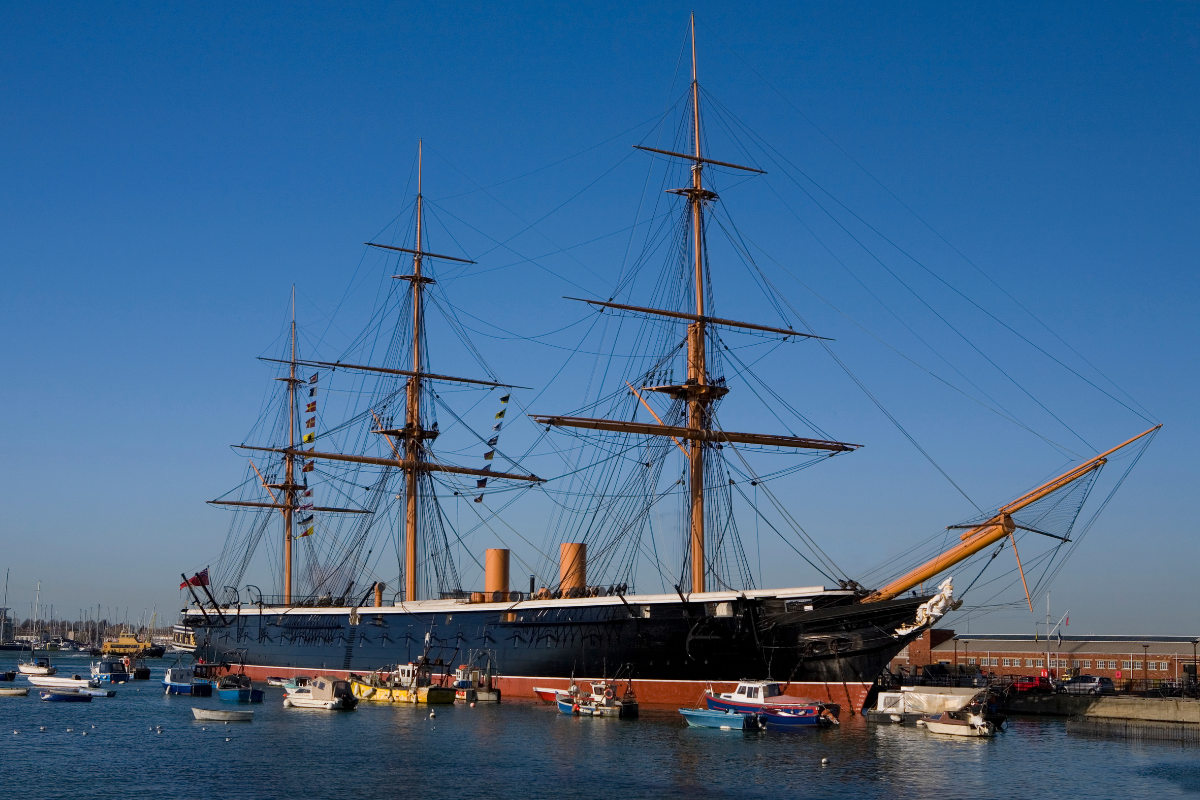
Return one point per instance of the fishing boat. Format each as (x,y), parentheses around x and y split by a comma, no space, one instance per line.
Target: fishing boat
(721,720)
(474,685)
(196,680)
(64,696)
(753,697)
(217,715)
(238,689)
(13,691)
(548,696)
(324,692)
(404,683)
(369,418)
(111,671)
(58,681)
(8,675)
(602,701)
(967,722)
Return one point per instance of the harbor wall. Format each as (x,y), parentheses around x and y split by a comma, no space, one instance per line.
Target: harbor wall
(1147,709)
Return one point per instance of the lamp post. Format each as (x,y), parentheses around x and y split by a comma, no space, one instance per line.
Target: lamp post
(1146,667)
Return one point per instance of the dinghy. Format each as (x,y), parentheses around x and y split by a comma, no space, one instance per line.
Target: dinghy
(216,715)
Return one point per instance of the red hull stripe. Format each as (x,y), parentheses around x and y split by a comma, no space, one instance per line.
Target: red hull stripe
(649,692)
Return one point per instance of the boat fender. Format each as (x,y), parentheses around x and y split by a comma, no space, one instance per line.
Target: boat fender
(287,703)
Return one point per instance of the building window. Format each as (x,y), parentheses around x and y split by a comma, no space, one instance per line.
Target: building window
(970,661)
(995,662)
(1085,664)
(1008,662)
(1126,664)
(1137,665)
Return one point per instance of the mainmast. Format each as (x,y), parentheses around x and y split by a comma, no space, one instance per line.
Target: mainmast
(412,427)
(697,391)
(698,399)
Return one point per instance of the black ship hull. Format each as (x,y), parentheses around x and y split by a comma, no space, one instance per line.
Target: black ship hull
(823,638)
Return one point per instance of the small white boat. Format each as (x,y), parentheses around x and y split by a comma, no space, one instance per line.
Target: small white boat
(958,723)
(217,715)
(9,691)
(37,666)
(324,692)
(273,680)
(95,691)
(59,682)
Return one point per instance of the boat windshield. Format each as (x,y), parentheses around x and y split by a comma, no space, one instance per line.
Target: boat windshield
(771,690)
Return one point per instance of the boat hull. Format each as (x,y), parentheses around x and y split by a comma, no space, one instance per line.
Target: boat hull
(64,696)
(674,650)
(431,695)
(720,720)
(222,716)
(192,689)
(241,695)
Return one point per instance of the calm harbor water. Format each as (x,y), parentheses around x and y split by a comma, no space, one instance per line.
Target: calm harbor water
(521,749)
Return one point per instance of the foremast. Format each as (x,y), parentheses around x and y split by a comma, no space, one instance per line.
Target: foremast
(407,444)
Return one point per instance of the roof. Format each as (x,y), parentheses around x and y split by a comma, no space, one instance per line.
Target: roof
(1098,644)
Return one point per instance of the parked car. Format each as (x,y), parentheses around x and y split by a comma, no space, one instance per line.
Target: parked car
(1088,684)
(1032,683)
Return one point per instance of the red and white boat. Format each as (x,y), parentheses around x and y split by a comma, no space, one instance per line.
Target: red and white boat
(755,697)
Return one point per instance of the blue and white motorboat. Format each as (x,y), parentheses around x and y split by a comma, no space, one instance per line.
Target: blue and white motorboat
(238,689)
(725,720)
(194,680)
(111,672)
(64,696)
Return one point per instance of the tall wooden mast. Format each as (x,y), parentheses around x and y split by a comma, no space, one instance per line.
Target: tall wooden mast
(698,393)
(697,372)
(289,460)
(412,426)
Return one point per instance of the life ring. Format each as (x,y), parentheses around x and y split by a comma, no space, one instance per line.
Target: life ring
(609,694)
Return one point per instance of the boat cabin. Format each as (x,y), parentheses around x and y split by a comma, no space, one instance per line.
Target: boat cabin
(324,687)
(755,691)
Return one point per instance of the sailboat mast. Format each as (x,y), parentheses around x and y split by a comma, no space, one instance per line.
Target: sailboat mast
(289,461)
(697,372)
(413,422)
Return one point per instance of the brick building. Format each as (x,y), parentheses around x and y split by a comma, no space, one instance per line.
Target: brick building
(1118,657)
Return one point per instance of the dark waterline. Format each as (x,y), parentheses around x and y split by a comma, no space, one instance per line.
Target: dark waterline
(520,749)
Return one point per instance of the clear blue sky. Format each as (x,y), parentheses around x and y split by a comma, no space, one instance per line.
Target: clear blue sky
(169,171)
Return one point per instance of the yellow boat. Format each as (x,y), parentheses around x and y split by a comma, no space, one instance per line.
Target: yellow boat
(398,687)
(127,644)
